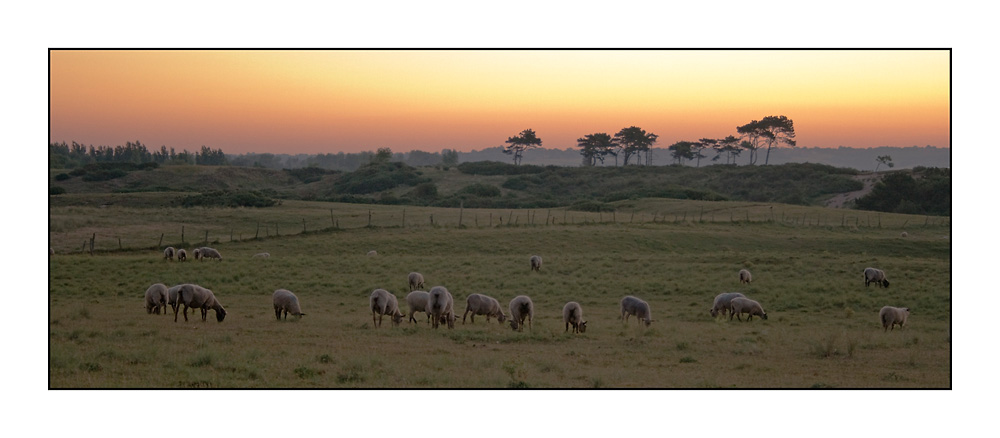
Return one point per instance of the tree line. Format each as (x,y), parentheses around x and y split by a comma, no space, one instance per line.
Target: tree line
(768,133)
(62,155)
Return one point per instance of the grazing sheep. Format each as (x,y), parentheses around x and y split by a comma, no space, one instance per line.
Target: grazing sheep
(210,253)
(182,255)
(372,253)
(416,281)
(744,276)
(741,305)
(573,315)
(480,304)
(52,252)
(384,303)
(441,307)
(417,302)
(194,296)
(903,234)
(172,294)
(633,306)
(285,301)
(262,255)
(520,308)
(168,254)
(876,276)
(536,263)
(156,299)
(890,316)
(197,253)
(721,303)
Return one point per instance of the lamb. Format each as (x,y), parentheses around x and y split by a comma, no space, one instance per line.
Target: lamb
(573,315)
(168,254)
(262,255)
(480,304)
(741,305)
(744,276)
(441,307)
(633,306)
(721,303)
(210,253)
(890,316)
(520,308)
(536,263)
(182,255)
(417,302)
(876,276)
(372,253)
(285,301)
(156,299)
(384,303)
(416,281)
(194,296)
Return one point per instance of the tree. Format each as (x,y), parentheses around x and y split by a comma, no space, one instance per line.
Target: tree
(522,142)
(682,149)
(703,144)
(595,147)
(729,146)
(884,159)
(777,130)
(635,141)
(751,133)
(382,155)
(449,157)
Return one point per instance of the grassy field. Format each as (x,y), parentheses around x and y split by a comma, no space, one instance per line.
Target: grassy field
(822,330)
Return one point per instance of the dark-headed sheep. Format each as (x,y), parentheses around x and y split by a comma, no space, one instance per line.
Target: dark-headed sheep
(536,263)
(520,308)
(479,304)
(633,306)
(182,255)
(156,299)
(285,301)
(381,303)
(876,276)
(741,305)
(721,303)
(573,315)
(744,276)
(441,306)
(168,254)
(416,281)
(890,316)
(197,297)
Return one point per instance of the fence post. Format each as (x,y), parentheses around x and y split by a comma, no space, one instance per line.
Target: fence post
(461,209)
(369,218)
(404,217)
(303,227)
(334,223)
(160,245)
(206,237)
(92,237)
(182,234)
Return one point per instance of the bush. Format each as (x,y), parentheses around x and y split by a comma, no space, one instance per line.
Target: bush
(104,175)
(62,177)
(497,168)
(307,174)
(56,190)
(377,177)
(591,206)
(228,199)
(425,191)
(481,190)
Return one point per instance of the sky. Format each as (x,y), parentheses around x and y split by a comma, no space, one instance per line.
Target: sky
(329,101)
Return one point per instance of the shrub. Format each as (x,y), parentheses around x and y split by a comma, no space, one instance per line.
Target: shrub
(424,191)
(497,168)
(62,177)
(307,174)
(56,190)
(482,190)
(228,199)
(376,177)
(104,175)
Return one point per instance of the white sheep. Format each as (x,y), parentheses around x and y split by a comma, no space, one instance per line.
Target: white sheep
(744,276)
(285,301)
(182,255)
(172,294)
(417,302)
(890,316)
(52,252)
(168,254)
(536,263)
(573,315)
(634,306)
(381,303)
(372,253)
(741,305)
(261,255)
(479,304)
(210,253)
(520,308)
(197,253)
(441,307)
(416,281)
(156,299)
(721,303)
(903,234)
(194,296)
(876,276)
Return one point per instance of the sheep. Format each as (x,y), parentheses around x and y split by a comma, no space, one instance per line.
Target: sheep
(721,303)
(480,304)
(261,255)
(573,315)
(633,306)
(210,253)
(741,305)
(194,296)
(52,252)
(197,253)
(372,253)
(172,294)
(903,234)
(441,307)
(381,303)
(890,316)
(416,281)
(520,308)
(744,276)
(285,301)
(182,255)
(156,299)
(417,302)
(168,254)
(536,263)
(876,276)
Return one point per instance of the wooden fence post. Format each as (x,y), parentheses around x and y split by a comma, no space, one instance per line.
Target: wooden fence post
(404,217)
(160,245)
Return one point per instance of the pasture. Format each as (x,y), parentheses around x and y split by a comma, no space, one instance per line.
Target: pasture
(822,329)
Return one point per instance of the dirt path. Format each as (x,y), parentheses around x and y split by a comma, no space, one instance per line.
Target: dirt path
(839,201)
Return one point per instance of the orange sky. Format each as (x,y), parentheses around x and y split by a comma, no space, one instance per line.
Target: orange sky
(333,101)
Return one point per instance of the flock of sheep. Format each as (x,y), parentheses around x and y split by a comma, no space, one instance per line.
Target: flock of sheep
(439,304)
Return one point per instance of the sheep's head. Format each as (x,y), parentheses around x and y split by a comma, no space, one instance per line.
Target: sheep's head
(513,324)
(648,322)
(582,326)
(220,314)
(885,283)
(397,318)
(501,318)
(713,312)
(763,315)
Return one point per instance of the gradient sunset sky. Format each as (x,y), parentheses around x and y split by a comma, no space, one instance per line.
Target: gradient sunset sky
(327,101)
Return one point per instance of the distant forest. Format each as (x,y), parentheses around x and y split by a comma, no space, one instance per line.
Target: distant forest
(74,155)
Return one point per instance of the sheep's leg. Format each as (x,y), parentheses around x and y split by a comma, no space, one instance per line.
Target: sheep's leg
(464,314)
(185,312)
(567,328)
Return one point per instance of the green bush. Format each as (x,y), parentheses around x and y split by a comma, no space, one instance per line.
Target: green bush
(228,199)
(56,190)
(376,177)
(481,190)
(62,177)
(425,191)
(104,175)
